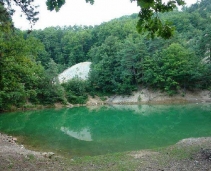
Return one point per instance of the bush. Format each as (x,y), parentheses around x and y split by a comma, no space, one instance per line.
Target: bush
(76,91)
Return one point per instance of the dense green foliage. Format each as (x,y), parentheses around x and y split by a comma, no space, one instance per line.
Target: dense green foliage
(122,60)
(76,91)
(22,78)
(173,69)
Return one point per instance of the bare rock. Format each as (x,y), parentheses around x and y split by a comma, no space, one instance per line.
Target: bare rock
(14,139)
(206,154)
(80,70)
(48,155)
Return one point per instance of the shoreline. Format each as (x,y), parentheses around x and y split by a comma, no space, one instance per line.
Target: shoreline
(184,154)
(188,154)
(144,96)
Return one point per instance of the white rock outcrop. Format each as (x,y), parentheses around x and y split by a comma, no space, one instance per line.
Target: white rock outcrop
(80,70)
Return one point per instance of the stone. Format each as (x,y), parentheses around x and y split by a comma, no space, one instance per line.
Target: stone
(48,155)
(15,139)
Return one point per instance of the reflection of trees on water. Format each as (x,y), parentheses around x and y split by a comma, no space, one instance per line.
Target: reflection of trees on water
(110,128)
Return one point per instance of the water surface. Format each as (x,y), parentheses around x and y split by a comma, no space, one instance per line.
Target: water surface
(100,130)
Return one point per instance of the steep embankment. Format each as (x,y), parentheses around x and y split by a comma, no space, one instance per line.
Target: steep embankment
(154,97)
(150,96)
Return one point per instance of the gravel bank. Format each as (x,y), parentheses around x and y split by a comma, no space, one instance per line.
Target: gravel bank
(190,154)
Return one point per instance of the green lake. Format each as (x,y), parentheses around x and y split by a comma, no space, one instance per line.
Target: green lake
(92,131)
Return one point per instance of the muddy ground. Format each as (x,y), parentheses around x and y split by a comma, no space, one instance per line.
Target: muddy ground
(192,154)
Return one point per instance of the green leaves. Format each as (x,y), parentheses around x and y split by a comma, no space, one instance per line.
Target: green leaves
(149,22)
(145,3)
(22,79)
(76,91)
(116,66)
(5,19)
(180,2)
(19,71)
(173,69)
(55,4)
(90,1)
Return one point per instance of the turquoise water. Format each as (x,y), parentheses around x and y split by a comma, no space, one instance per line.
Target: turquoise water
(100,130)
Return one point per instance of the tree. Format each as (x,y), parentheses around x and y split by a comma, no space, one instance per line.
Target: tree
(205,44)
(149,20)
(19,72)
(131,56)
(76,45)
(5,19)
(51,38)
(26,6)
(104,57)
(175,68)
(49,90)
(76,90)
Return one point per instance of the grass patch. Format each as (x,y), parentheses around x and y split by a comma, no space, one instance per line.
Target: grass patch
(157,158)
(31,156)
(178,152)
(114,162)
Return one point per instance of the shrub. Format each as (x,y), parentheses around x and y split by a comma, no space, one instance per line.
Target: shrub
(76,91)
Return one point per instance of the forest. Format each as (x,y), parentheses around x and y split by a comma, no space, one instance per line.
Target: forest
(122,59)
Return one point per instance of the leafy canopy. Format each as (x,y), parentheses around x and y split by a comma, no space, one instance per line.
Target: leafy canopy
(149,21)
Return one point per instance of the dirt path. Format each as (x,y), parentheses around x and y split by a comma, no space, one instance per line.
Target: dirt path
(190,154)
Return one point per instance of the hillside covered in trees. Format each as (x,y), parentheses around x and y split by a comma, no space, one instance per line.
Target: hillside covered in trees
(122,59)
